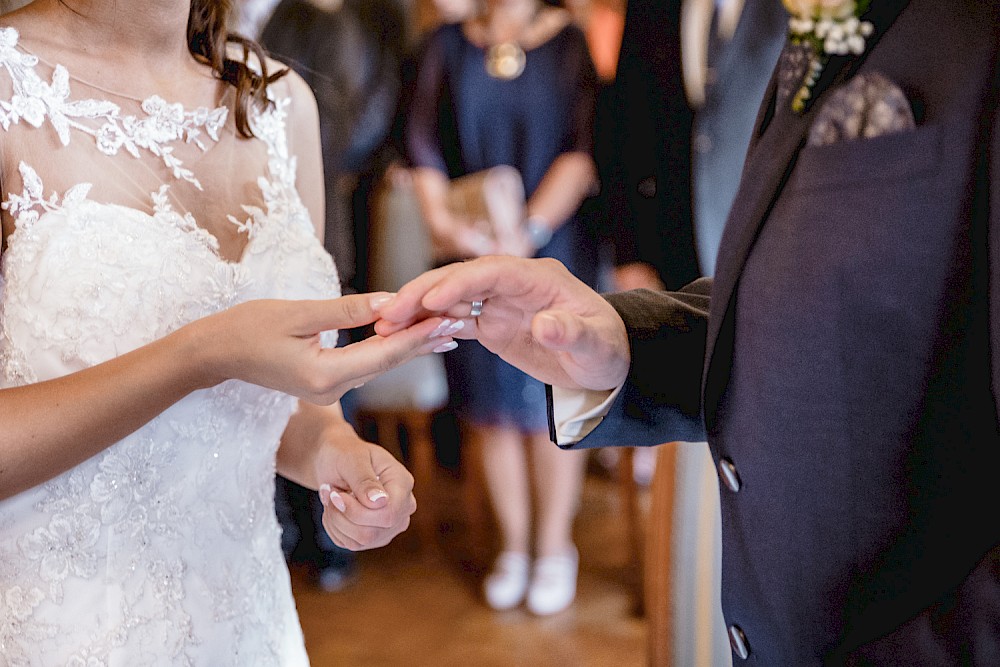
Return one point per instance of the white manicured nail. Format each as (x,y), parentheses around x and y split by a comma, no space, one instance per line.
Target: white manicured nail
(337,501)
(440,329)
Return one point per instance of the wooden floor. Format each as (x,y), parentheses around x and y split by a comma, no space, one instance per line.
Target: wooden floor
(413,606)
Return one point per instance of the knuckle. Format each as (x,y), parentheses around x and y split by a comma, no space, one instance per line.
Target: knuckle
(382,519)
(553,264)
(368,536)
(357,309)
(317,383)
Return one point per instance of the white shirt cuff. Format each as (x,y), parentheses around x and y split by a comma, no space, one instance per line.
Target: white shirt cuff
(577,412)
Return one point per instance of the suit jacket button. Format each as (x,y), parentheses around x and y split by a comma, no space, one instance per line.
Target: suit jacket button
(727,473)
(647,187)
(738,642)
(703,143)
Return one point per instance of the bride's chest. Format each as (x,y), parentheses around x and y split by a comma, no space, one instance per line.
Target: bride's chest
(90,281)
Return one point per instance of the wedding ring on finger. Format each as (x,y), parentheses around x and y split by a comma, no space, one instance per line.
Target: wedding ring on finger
(477,309)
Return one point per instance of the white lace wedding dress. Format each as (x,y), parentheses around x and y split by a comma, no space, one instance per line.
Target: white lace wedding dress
(164,548)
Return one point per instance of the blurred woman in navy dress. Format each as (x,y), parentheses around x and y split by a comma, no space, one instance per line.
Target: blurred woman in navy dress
(513,86)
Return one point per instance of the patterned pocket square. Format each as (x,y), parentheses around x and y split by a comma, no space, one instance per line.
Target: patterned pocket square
(869,105)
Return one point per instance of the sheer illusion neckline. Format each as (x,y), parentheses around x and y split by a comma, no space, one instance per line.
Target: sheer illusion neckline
(153,131)
(224,98)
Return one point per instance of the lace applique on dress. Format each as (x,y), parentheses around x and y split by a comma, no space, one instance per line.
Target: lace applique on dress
(35,100)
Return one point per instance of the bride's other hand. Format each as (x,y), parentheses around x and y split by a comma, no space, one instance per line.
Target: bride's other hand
(367,494)
(276,344)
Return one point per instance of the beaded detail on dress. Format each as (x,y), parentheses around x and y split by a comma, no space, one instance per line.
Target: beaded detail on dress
(163,549)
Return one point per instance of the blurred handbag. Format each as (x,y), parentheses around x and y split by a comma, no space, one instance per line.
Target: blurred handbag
(491,200)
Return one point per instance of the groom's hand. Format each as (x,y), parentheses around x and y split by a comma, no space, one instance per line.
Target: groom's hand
(536,315)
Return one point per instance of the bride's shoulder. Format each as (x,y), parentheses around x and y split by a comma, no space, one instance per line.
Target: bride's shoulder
(15,62)
(302,109)
(288,94)
(288,86)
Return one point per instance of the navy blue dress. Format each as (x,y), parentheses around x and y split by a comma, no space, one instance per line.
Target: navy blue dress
(462,120)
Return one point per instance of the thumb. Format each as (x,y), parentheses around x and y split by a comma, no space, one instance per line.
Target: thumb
(346,312)
(561,330)
(363,482)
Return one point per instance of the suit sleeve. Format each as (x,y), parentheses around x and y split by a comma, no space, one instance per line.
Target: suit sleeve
(661,399)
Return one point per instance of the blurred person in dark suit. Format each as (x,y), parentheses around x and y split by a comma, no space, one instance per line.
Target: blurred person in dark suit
(689,81)
(356,81)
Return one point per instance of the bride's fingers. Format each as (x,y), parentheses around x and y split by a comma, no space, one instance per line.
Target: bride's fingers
(344,368)
(346,312)
(357,527)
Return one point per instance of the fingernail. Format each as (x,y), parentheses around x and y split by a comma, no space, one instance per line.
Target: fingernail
(380,300)
(377,494)
(324,494)
(446,347)
(440,329)
(455,327)
(337,501)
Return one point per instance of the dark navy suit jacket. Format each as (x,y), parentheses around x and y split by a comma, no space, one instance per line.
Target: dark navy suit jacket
(848,366)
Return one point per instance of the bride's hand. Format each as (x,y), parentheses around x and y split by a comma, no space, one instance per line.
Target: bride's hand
(276,344)
(367,494)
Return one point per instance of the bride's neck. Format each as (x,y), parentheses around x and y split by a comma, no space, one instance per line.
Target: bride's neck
(153,30)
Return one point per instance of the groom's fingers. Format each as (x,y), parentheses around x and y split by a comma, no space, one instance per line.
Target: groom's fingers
(406,306)
(444,288)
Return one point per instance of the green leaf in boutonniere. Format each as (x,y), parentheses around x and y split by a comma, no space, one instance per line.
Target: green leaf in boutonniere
(826,28)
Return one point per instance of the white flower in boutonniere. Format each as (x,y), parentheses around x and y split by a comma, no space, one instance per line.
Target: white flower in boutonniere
(827,28)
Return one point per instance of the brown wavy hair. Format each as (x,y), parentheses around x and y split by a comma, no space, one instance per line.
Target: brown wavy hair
(208,38)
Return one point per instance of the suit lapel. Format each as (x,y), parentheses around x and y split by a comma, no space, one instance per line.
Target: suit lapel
(776,142)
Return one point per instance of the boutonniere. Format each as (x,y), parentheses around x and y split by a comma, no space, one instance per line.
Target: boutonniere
(826,28)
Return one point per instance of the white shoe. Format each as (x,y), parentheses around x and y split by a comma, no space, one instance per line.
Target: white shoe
(553,583)
(506,585)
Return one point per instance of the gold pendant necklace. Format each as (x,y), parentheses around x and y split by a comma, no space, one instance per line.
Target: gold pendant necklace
(505,60)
